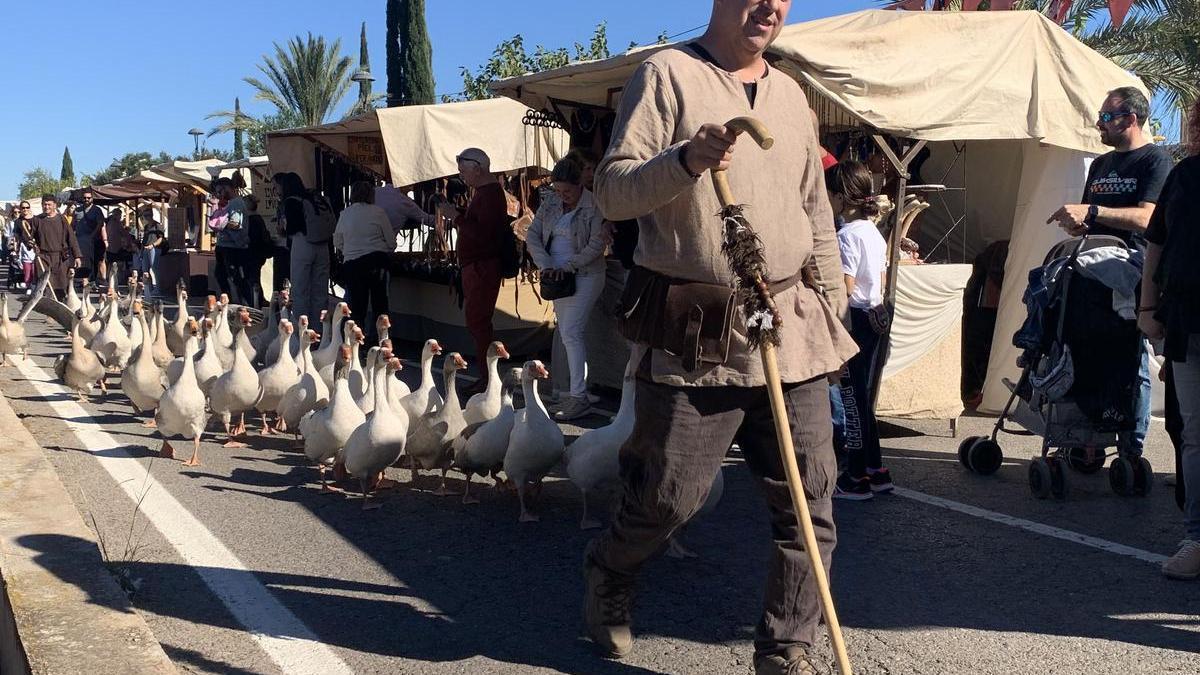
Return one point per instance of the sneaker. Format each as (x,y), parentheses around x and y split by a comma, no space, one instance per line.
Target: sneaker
(853,489)
(573,409)
(1185,564)
(881,480)
(793,661)
(607,604)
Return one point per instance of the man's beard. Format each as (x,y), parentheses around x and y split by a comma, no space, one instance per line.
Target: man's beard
(1106,137)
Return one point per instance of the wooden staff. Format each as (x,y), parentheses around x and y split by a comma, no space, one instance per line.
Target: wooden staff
(743,251)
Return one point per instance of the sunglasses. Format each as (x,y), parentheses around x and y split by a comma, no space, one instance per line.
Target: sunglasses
(24,207)
(1107,117)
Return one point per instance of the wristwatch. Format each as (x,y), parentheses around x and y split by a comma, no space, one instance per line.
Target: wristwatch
(1093,212)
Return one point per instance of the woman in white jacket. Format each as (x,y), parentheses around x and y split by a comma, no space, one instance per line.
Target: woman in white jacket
(568,236)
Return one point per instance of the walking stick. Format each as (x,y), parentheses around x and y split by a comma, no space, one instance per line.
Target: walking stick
(743,251)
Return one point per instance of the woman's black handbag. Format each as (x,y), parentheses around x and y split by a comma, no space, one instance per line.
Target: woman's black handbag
(562,286)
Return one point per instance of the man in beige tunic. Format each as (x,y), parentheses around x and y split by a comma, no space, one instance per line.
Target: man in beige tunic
(668,136)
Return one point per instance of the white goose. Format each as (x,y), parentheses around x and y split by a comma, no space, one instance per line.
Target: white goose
(306,395)
(160,351)
(356,377)
(181,410)
(326,431)
(112,343)
(593,459)
(365,400)
(92,319)
(480,448)
(486,404)
(343,337)
(12,333)
(142,380)
(71,299)
(208,366)
(430,444)
(334,334)
(220,339)
(241,339)
(137,332)
(236,391)
(177,335)
(378,443)
(80,369)
(265,341)
(426,397)
(279,376)
(535,445)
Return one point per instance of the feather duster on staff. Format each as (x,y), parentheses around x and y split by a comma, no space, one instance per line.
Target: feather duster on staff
(744,252)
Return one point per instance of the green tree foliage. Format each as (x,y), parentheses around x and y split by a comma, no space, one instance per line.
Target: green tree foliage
(67,174)
(305,82)
(126,165)
(410,55)
(510,59)
(38,182)
(366,100)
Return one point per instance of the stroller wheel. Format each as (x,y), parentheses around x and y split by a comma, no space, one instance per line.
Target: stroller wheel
(1058,477)
(984,456)
(1077,459)
(964,447)
(1040,478)
(1121,476)
(1143,477)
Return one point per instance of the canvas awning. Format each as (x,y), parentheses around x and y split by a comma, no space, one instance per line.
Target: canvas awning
(413,144)
(1013,75)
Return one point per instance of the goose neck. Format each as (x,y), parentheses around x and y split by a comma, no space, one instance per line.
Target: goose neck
(379,388)
(532,399)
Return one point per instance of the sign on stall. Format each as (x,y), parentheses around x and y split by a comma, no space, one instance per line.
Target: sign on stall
(367,151)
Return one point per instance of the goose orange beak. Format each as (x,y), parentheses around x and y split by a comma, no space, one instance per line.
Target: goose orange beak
(502,351)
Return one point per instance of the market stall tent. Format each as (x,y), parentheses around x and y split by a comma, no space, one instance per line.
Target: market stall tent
(1017,103)
(413,144)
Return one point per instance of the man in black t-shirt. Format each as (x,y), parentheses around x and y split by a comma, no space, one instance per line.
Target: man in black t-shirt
(1118,199)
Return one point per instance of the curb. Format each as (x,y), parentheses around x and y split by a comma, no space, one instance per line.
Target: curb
(62,612)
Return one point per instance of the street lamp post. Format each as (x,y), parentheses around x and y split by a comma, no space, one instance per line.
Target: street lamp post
(196,134)
(364,79)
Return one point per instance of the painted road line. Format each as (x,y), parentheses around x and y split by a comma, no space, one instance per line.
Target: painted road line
(284,638)
(1031,526)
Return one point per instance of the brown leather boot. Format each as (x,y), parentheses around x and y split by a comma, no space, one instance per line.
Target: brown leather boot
(607,603)
(792,661)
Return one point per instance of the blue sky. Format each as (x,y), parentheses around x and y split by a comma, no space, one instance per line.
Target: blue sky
(117,76)
(120,76)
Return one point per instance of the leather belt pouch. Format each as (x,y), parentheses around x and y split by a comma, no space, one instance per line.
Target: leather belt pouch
(687,319)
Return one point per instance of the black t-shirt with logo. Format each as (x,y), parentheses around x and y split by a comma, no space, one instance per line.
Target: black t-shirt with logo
(1121,180)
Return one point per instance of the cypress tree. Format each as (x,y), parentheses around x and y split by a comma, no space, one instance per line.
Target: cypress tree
(416,55)
(395,70)
(239,148)
(364,64)
(67,175)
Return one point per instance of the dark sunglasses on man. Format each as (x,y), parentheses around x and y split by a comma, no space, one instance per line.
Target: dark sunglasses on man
(1107,117)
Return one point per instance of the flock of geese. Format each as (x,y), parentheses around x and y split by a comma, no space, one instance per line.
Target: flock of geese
(353,416)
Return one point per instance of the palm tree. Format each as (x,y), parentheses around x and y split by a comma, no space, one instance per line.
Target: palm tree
(1157,42)
(305,82)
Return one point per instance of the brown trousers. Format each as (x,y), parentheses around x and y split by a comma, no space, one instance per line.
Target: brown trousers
(667,467)
(481,289)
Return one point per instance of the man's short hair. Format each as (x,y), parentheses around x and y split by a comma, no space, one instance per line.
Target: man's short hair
(49,198)
(222,182)
(1134,101)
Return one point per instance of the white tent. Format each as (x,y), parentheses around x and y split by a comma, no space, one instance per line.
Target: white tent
(412,144)
(1010,117)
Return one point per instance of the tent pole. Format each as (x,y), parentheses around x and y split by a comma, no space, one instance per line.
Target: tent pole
(901,165)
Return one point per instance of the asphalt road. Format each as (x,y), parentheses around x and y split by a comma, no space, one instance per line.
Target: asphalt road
(242,566)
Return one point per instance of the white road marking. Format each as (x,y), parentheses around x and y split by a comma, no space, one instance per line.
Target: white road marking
(1031,526)
(284,638)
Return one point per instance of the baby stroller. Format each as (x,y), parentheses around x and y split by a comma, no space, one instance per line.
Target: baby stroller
(1079,376)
